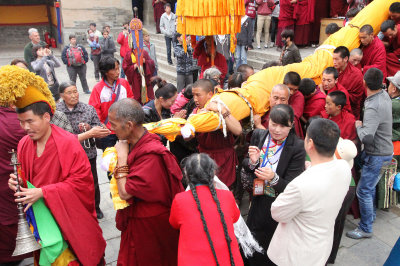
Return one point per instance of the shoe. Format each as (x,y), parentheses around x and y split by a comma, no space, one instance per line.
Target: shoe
(271,44)
(170,63)
(88,92)
(100,214)
(266,46)
(258,47)
(358,234)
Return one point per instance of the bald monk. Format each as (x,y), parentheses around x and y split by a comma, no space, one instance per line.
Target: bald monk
(394,12)
(315,99)
(279,95)
(148,177)
(338,8)
(350,78)
(215,144)
(355,57)
(296,99)
(374,53)
(335,101)
(391,32)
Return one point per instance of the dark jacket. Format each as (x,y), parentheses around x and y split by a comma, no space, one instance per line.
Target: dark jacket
(243,36)
(107,47)
(184,60)
(151,115)
(290,55)
(64,54)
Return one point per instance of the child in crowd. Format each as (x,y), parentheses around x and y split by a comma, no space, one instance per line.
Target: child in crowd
(150,48)
(314,99)
(183,98)
(184,63)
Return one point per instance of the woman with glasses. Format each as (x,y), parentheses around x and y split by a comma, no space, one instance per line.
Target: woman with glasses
(86,126)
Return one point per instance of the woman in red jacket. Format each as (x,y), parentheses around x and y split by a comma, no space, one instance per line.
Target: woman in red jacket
(205,223)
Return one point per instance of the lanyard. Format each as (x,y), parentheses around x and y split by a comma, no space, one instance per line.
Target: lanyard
(264,162)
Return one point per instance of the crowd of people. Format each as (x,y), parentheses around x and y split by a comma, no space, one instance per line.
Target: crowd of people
(340,133)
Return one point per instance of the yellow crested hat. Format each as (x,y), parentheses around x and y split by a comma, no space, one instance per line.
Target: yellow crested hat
(21,88)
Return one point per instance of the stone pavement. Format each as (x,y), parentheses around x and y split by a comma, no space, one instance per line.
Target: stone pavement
(367,252)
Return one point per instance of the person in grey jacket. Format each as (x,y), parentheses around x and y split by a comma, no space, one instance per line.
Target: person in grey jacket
(184,64)
(375,132)
(168,28)
(107,45)
(44,65)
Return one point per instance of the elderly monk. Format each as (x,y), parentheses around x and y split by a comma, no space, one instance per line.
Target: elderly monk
(148,177)
(355,57)
(391,32)
(54,161)
(350,78)
(374,53)
(280,94)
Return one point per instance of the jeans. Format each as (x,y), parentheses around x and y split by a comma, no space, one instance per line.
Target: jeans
(263,22)
(96,60)
(366,188)
(122,70)
(168,42)
(80,71)
(240,55)
(250,34)
(183,80)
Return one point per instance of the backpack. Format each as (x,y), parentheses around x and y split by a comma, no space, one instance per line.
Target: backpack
(75,56)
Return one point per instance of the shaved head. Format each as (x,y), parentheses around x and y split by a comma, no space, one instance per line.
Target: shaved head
(128,110)
(279,95)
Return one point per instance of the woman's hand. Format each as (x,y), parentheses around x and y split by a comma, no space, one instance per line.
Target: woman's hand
(180,114)
(99,132)
(265,173)
(254,154)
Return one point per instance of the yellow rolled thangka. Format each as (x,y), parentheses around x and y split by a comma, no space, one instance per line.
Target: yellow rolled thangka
(109,162)
(169,128)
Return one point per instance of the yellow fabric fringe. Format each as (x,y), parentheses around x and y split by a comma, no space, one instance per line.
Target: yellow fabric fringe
(65,258)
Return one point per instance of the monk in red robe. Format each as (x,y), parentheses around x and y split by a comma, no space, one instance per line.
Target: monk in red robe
(321,10)
(148,177)
(315,99)
(374,53)
(335,112)
(304,16)
(394,12)
(296,100)
(54,161)
(215,144)
(158,7)
(286,19)
(338,8)
(392,36)
(203,53)
(134,77)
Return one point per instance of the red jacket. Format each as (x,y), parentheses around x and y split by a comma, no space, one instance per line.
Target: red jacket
(250,8)
(103,96)
(264,7)
(194,248)
(123,41)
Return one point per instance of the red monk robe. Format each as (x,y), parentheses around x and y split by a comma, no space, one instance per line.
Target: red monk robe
(393,54)
(154,179)
(314,105)
(135,79)
(304,16)
(286,19)
(352,81)
(296,101)
(346,122)
(339,87)
(204,61)
(374,55)
(321,10)
(338,8)
(63,173)
(158,7)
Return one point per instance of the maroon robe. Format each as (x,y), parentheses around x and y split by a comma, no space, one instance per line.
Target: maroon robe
(346,122)
(314,105)
(286,19)
(154,179)
(265,120)
(321,10)
(352,81)
(158,11)
(221,150)
(66,181)
(304,15)
(134,77)
(10,134)
(393,54)
(338,8)
(374,55)
(339,87)
(296,101)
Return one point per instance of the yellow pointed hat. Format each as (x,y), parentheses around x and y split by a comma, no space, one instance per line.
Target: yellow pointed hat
(21,88)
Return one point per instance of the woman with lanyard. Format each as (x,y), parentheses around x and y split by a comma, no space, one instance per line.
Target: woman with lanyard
(276,157)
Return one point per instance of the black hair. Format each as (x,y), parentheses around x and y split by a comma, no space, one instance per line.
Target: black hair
(331,28)
(373,78)
(368,29)
(395,7)
(92,24)
(200,169)
(177,35)
(282,114)
(307,86)
(338,98)
(331,71)
(36,48)
(188,92)
(288,34)
(388,24)
(271,64)
(243,68)
(106,64)
(38,108)
(167,4)
(292,78)
(166,91)
(204,84)
(343,51)
(325,135)
(352,12)
(65,85)
(235,80)
(71,36)
(17,61)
